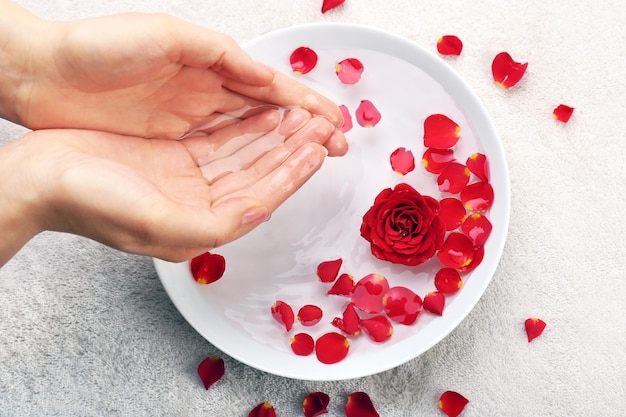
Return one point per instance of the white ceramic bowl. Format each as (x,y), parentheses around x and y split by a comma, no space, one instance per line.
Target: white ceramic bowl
(278,260)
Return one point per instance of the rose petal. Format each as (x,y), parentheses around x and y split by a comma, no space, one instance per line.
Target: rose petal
(327,271)
(331,348)
(350,322)
(534,327)
(479,254)
(478,165)
(315,404)
(434,302)
(263,410)
(378,328)
(562,113)
(453,178)
(331,4)
(402,161)
(349,70)
(477,227)
(368,293)
(477,196)
(402,305)
(452,212)
(303,60)
(440,132)
(309,315)
(449,45)
(452,403)
(211,370)
(207,268)
(506,72)
(435,160)
(302,344)
(457,251)
(347,119)
(283,314)
(448,280)
(367,115)
(359,404)
(343,286)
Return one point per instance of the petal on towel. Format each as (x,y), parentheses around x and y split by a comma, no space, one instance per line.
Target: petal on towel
(534,327)
(360,404)
(452,403)
(507,72)
(211,370)
(315,404)
(263,410)
(331,4)
(449,45)
(562,113)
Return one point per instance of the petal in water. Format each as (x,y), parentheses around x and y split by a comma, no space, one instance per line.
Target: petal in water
(562,113)
(506,72)
(349,70)
(211,370)
(360,404)
(434,302)
(343,286)
(478,165)
(449,45)
(347,119)
(350,322)
(402,305)
(457,251)
(302,344)
(477,196)
(303,60)
(478,228)
(309,315)
(367,115)
(207,268)
(331,348)
(453,178)
(452,403)
(452,212)
(448,280)
(378,328)
(440,132)
(402,161)
(368,293)
(283,314)
(435,160)
(327,271)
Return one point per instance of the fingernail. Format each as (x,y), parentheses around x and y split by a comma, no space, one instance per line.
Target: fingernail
(255,215)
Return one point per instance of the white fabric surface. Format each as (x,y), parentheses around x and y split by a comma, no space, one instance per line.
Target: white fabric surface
(86,330)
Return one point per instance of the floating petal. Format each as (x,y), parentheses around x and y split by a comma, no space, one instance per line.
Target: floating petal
(367,115)
(331,4)
(347,119)
(452,403)
(263,410)
(453,178)
(309,315)
(378,328)
(402,161)
(283,313)
(350,322)
(435,160)
(562,113)
(452,212)
(208,267)
(211,370)
(303,60)
(402,305)
(302,344)
(506,72)
(440,132)
(349,70)
(449,45)
(315,404)
(479,254)
(343,286)
(368,293)
(434,302)
(360,404)
(448,280)
(477,227)
(478,165)
(477,196)
(534,327)
(327,271)
(457,251)
(331,348)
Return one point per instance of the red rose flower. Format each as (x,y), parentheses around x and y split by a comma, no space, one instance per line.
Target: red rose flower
(403,226)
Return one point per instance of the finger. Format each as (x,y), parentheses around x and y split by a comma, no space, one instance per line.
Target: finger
(285,91)
(336,144)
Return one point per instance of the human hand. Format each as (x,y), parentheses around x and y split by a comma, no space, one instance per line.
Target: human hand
(147,75)
(158,197)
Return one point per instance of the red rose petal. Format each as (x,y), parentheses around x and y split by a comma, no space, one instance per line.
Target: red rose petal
(402,161)
(477,196)
(331,4)
(302,344)
(367,115)
(477,164)
(534,327)
(350,322)
(368,293)
(435,160)
(347,119)
(452,212)
(331,348)
(449,45)
(349,70)
(315,404)
(343,286)
(440,132)
(402,305)
(359,404)
(263,410)
(506,72)
(477,227)
(457,251)
(479,254)
(303,60)
(309,315)
(452,403)
(378,328)
(434,302)
(453,178)
(562,113)
(283,313)
(211,370)
(327,271)
(448,280)
(207,268)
